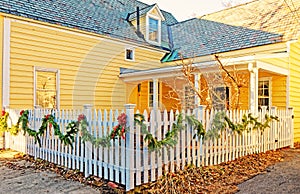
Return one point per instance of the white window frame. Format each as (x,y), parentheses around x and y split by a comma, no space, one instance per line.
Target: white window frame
(147,29)
(133,54)
(270,89)
(36,69)
(159,94)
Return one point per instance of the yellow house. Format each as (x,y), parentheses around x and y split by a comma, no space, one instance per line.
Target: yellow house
(109,53)
(58,55)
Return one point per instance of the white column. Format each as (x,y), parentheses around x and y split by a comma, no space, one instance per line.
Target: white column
(197,87)
(253,88)
(155,94)
(6,64)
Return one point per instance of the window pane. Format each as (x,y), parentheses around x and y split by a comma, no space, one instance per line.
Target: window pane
(263,93)
(220,97)
(129,54)
(46,89)
(153,29)
(151,94)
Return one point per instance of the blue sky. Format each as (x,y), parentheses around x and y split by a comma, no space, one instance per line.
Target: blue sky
(186,9)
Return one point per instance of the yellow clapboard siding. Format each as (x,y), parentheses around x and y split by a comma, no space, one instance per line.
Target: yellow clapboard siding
(89,67)
(295,86)
(51,34)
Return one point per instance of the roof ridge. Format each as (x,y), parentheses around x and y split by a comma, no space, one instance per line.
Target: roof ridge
(187,20)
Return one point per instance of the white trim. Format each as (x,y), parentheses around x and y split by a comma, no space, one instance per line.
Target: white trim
(270,88)
(148,26)
(42,69)
(6,63)
(159,102)
(207,66)
(133,53)
(288,79)
(159,12)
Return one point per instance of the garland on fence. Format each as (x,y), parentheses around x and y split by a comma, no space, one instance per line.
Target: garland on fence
(48,120)
(219,123)
(248,122)
(171,137)
(118,131)
(71,129)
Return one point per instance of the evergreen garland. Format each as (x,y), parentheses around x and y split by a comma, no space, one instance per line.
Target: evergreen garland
(48,120)
(171,137)
(248,122)
(105,141)
(219,123)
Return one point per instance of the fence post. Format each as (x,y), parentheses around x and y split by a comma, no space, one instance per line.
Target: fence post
(87,144)
(129,147)
(274,129)
(291,112)
(200,116)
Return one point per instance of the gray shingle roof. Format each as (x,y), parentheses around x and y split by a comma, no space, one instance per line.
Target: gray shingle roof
(195,37)
(106,17)
(199,37)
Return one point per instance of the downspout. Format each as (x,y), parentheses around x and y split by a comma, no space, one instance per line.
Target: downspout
(138,20)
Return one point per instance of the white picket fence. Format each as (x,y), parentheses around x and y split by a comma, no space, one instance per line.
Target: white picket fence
(129,162)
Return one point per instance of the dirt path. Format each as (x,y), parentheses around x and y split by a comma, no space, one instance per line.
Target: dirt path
(17,176)
(283,177)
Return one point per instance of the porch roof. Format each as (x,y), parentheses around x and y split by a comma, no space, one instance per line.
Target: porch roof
(131,75)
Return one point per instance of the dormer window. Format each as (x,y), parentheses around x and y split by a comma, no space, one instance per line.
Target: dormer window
(147,21)
(153,30)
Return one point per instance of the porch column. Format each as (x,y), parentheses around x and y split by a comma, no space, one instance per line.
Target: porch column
(155,93)
(197,87)
(253,89)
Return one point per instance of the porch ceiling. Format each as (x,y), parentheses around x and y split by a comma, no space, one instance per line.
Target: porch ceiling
(271,68)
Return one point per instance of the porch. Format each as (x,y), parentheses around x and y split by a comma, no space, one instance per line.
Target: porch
(263,79)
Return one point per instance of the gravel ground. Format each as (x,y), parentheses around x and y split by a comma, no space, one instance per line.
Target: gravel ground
(283,177)
(17,176)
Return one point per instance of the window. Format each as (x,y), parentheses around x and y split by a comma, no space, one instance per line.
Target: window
(129,54)
(264,93)
(153,30)
(189,97)
(220,97)
(151,94)
(46,88)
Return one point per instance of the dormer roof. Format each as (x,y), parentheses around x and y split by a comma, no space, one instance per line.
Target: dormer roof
(149,9)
